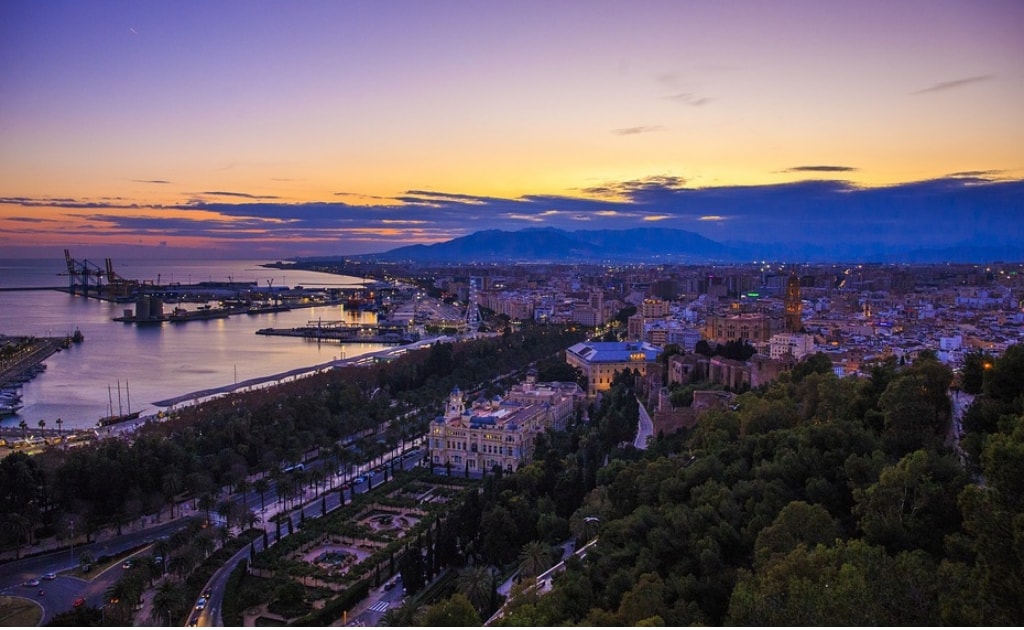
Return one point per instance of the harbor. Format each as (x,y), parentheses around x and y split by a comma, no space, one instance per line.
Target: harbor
(165,360)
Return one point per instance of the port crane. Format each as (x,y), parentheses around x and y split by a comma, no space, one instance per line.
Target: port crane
(83,276)
(87,278)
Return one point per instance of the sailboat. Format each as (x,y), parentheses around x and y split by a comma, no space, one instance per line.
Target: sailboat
(108,420)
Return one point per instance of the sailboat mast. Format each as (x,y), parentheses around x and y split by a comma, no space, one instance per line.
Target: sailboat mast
(128,393)
(110,402)
(120,412)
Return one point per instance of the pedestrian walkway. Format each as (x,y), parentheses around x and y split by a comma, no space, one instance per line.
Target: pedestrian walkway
(381,606)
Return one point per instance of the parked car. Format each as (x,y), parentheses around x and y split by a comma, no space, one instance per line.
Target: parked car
(49,576)
(79,602)
(127,564)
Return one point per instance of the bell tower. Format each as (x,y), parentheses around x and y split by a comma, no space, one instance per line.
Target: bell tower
(456,407)
(793,305)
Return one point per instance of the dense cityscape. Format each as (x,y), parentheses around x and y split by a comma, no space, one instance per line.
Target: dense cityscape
(451,313)
(477,475)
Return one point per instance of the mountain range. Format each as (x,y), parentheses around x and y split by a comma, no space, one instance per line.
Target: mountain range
(652,245)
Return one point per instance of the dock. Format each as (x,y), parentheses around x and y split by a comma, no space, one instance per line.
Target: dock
(39,349)
(344,332)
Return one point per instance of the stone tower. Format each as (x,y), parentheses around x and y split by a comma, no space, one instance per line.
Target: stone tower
(793,306)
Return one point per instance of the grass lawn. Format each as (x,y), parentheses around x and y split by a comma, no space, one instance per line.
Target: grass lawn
(18,611)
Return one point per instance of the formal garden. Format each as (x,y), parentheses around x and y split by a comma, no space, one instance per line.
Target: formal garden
(330,563)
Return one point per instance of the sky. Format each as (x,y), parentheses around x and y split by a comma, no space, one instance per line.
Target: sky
(275,129)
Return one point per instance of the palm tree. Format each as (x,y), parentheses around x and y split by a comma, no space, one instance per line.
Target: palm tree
(17,525)
(243,486)
(206,503)
(168,600)
(478,583)
(534,559)
(405,615)
(122,596)
(261,485)
(148,567)
(316,477)
(228,508)
(60,429)
(42,425)
(24,428)
(181,563)
(171,484)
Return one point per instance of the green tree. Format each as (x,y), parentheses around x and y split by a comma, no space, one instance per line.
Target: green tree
(478,583)
(913,505)
(798,523)
(534,558)
(456,611)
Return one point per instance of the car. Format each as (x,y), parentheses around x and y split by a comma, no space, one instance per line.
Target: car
(390,585)
(206,594)
(358,480)
(79,602)
(49,576)
(127,564)
(32,582)
(201,604)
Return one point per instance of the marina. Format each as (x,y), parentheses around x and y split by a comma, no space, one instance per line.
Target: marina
(164,361)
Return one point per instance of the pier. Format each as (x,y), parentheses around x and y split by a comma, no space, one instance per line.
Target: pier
(39,349)
(345,332)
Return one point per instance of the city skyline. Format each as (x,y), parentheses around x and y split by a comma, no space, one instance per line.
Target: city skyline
(276,130)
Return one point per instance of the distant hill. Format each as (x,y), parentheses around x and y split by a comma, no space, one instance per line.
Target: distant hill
(554,245)
(669,245)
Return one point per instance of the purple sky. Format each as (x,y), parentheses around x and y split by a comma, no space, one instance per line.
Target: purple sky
(296,128)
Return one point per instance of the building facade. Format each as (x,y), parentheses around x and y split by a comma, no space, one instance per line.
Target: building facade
(600,361)
(500,431)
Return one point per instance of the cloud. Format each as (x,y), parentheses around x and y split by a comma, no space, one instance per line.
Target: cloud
(221,193)
(820,169)
(962,207)
(985,175)
(952,85)
(689,98)
(632,131)
(151,181)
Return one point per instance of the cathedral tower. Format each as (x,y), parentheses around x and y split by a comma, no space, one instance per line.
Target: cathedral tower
(793,305)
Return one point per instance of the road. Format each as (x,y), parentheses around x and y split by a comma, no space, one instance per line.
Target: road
(644,428)
(60,593)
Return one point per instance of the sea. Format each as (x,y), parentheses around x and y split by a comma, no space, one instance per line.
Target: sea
(118,361)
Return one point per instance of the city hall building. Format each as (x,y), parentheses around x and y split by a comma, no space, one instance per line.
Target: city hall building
(500,431)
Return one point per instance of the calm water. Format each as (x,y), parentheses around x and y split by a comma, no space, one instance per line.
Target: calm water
(154,362)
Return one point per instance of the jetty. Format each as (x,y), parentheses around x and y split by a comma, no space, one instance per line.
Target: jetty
(16,368)
(346,332)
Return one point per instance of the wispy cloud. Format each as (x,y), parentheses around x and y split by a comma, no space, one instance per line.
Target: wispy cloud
(712,217)
(689,98)
(952,85)
(151,181)
(820,168)
(222,193)
(632,131)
